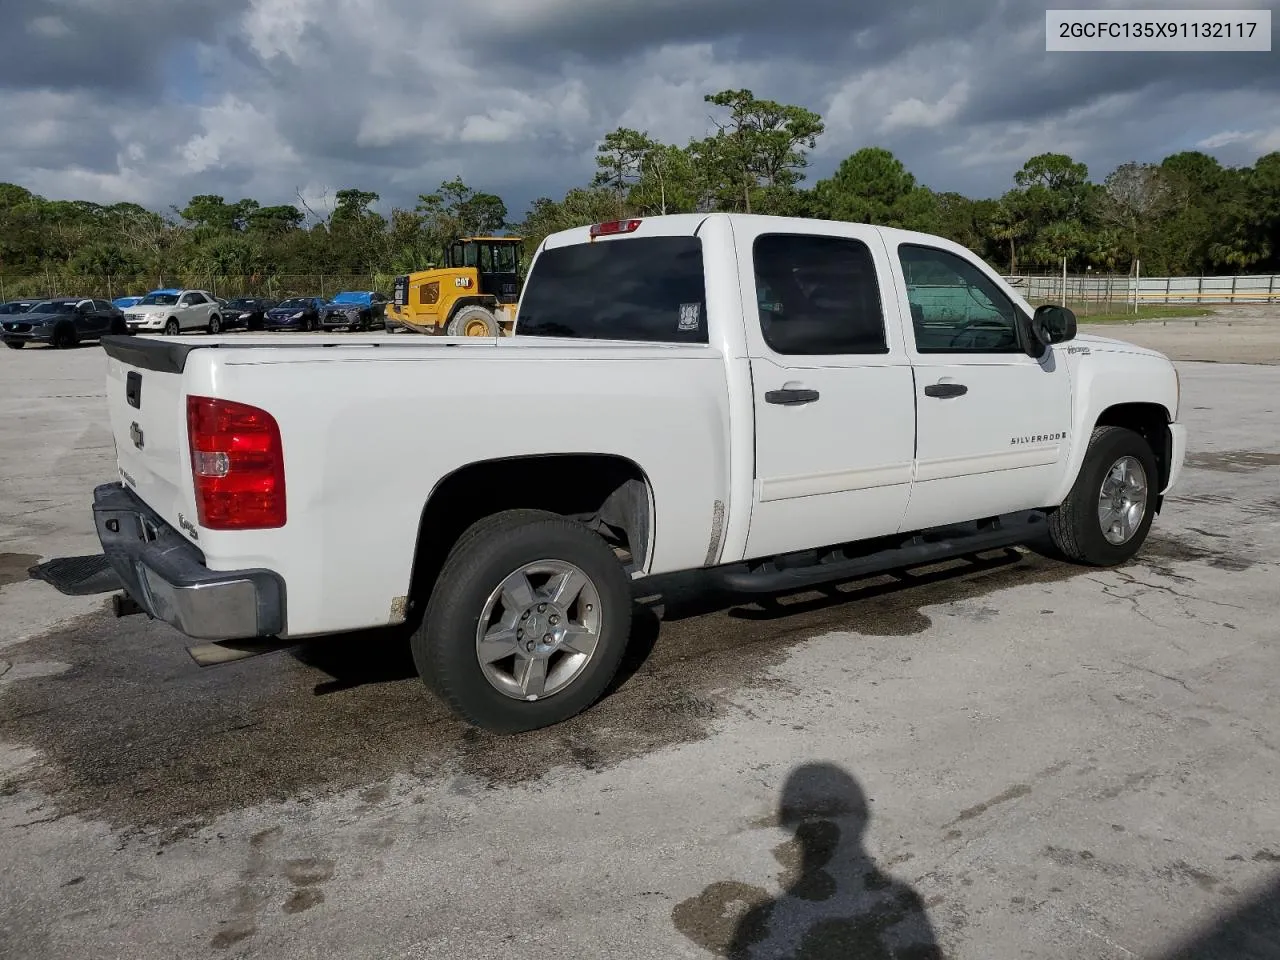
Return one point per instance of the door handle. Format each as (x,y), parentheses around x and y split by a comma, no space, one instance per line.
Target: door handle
(945,390)
(790,397)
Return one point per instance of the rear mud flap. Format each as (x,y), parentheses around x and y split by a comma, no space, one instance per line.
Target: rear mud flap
(78,576)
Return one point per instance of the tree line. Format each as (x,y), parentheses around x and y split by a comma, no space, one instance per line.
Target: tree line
(1185,215)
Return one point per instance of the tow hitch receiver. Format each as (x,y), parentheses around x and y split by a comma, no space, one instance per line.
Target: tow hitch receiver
(123,605)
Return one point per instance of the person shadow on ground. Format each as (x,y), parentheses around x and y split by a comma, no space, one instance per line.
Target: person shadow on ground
(836,905)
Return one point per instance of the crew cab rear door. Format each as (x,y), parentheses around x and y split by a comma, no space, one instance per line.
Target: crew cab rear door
(832,386)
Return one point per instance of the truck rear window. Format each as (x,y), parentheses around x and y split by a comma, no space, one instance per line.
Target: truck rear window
(639,288)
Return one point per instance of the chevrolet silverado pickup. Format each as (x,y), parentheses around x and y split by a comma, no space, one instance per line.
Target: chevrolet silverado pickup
(773,402)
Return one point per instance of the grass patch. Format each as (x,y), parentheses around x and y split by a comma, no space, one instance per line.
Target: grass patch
(1098,313)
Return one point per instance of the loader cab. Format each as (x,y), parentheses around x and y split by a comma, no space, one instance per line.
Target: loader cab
(496,261)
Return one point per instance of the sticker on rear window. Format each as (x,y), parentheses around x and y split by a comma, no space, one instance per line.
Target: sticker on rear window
(689,316)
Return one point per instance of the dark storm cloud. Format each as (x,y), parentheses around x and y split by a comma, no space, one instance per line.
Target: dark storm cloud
(168,98)
(118,47)
(1043,84)
(601,33)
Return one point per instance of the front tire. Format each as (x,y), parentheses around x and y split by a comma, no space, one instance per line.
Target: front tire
(473,321)
(1108,513)
(15,344)
(527,622)
(171,329)
(64,338)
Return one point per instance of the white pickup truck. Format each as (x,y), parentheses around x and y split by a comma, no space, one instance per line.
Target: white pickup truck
(775,402)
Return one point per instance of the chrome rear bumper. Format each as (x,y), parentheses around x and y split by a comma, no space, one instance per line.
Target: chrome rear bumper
(166,574)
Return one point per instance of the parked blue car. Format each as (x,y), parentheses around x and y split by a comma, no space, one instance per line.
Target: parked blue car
(296,313)
(353,310)
(123,303)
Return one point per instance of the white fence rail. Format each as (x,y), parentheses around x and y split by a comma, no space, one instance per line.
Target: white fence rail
(1150,290)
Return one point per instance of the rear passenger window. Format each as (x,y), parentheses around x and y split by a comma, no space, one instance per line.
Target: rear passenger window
(818,295)
(638,288)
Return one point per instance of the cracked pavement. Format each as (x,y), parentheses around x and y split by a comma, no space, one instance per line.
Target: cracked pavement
(1015,758)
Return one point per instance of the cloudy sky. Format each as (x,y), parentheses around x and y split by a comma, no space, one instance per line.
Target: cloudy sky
(156,100)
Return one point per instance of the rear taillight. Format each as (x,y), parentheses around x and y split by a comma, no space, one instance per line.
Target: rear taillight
(610,227)
(237,463)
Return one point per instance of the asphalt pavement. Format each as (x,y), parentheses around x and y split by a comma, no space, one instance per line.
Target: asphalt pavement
(1011,758)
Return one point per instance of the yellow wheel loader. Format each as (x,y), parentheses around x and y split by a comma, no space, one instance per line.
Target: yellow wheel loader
(473,295)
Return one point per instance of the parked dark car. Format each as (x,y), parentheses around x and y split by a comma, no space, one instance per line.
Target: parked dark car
(16,306)
(296,313)
(62,323)
(247,312)
(353,310)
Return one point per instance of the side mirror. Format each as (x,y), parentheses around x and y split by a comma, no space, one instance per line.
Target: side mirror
(1048,325)
(1057,323)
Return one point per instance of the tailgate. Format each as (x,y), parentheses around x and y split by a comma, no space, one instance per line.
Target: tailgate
(148,421)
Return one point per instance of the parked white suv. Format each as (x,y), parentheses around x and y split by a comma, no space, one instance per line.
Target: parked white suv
(173,311)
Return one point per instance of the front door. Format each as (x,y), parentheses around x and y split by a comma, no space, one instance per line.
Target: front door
(90,321)
(104,315)
(835,424)
(189,315)
(497,272)
(992,424)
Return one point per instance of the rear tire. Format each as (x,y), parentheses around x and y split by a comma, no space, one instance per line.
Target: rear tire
(215,324)
(64,338)
(15,344)
(473,321)
(596,609)
(1106,517)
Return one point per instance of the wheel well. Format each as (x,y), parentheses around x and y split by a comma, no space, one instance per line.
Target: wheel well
(489,303)
(609,494)
(1151,421)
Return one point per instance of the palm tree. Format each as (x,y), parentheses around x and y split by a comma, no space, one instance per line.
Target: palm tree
(1009,225)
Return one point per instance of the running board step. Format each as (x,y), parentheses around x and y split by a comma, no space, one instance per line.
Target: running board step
(930,547)
(78,576)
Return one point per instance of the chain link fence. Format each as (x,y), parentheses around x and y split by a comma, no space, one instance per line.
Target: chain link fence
(1087,295)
